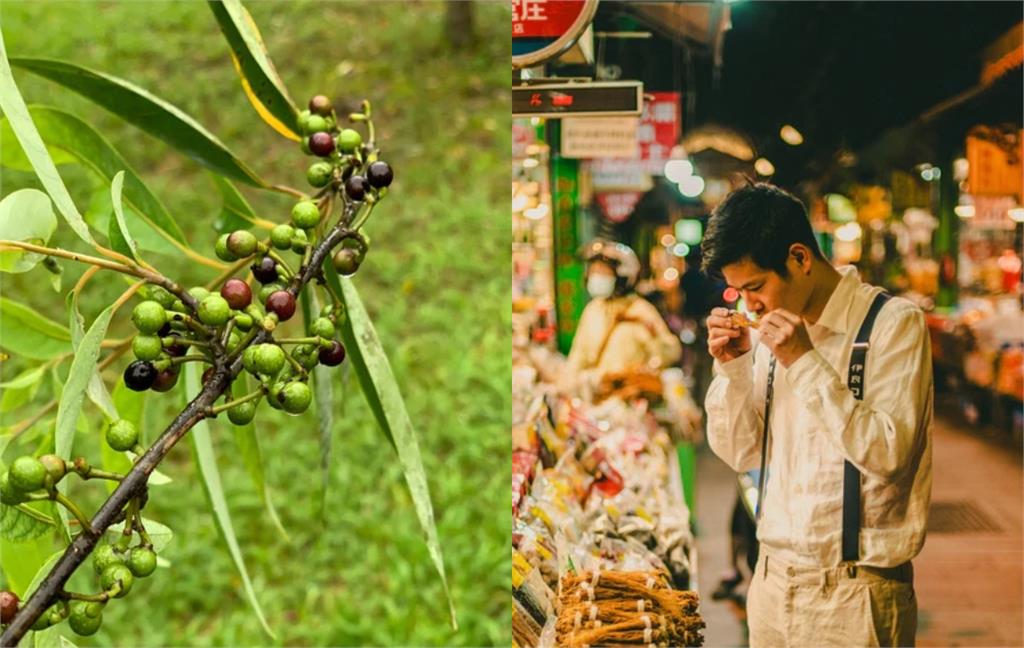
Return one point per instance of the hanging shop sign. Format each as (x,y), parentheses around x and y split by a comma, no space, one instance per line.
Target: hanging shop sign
(594,137)
(544,29)
(994,162)
(601,99)
(659,130)
(992,212)
(618,206)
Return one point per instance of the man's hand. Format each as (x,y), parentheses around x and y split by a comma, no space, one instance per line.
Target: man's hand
(785,335)
(726,341)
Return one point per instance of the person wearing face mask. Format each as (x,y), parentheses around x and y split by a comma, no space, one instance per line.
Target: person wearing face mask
(619,331)
(834,398)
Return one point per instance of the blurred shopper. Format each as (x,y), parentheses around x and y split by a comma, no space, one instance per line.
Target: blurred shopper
(619,332)
(845,498)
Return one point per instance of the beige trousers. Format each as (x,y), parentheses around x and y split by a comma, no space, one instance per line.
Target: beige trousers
(842,606)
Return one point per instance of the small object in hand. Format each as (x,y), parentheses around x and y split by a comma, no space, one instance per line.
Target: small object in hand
(741,320)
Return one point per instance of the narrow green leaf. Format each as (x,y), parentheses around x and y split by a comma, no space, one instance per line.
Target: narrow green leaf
(41,573)
(206,461)
(260,80)
(26,378)
(96,390)
(83,368)
(26,216)
(27,333)
(100,216)
(13,158)
(13,106)
(48,637)
(385,400)
(66,643)
(146,111)
(124,236)
(236,213)
(252,456)
(86,144)
(21,525)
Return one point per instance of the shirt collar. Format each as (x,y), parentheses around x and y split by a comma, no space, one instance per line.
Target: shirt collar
(835,316)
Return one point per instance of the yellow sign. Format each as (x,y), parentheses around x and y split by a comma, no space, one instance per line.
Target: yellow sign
(995,163)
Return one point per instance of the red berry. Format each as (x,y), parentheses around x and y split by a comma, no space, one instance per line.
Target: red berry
(236,293)
(281,302)
(333,356)
(356,187)
(265,271)
(8,606)
(320,105)
(166,379)
(321,144)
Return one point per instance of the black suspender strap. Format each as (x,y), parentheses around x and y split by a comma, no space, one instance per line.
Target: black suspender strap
(762,476)
(851,476)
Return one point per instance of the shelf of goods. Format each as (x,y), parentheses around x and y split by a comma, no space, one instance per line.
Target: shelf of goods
(602,548)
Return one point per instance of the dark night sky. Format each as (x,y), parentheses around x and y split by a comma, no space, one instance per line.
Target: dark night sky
(841,72)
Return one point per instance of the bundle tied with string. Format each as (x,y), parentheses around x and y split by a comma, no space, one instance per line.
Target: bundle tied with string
(619,608)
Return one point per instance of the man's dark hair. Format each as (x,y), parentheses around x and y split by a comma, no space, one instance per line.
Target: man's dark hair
(759,221)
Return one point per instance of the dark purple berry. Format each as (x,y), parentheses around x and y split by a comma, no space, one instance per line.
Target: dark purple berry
(320,105)
(321,144)
(176,350)
(166,379)
(140,375)
(333,356)
(165,330)
(265,271)
(355,187)
(379,174)
(281,302)
(236,293)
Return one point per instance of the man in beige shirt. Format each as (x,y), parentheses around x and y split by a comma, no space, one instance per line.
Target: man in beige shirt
(822,578)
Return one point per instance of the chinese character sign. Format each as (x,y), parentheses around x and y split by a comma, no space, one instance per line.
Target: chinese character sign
(544,18)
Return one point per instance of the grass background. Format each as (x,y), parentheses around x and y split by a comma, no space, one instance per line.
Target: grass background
(435,282)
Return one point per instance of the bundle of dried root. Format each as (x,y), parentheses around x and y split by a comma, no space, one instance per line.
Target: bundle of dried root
(614,608)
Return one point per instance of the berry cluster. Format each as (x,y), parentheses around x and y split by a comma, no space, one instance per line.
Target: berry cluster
(117,565)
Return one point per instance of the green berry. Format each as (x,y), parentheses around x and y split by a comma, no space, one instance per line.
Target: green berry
(234,339)
(199,293)
(242,243)
(118,572)
(349,140)
(304,145)
(243,322)
(105,556)
(268,290)
(28,474)
(299,241)
(86,617)
(281,236)
(295,397)
(322,327)
(303,121)
(243,413)
(306,354)
(147,347)
(220,248)
(214,311)
(305,214)
(52,616)
(249,359)
(319,174)
(56,467)
(161,295)
(315,124)
(142,561)
(122,435)
(9,494)
(149,317)
(269,359)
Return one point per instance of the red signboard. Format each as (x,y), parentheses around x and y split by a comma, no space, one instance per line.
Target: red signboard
(659,128)
(617,207)
(544,18)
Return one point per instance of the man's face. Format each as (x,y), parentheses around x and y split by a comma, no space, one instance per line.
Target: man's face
(764,290)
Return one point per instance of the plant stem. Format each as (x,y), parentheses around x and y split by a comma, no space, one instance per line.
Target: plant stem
(63,500)
(301,340)
(281,262)
(363,215)
(102,474)
(295,364)
(232,269)
(102,597)
(227,333)
(176,340)
(189,358)
(74,256)
(214,411)
(288,190)
(34,514)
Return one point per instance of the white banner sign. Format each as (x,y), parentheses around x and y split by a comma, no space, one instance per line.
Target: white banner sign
(598,137)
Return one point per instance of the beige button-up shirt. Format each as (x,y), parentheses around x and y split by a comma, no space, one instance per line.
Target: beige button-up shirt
(816,423)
